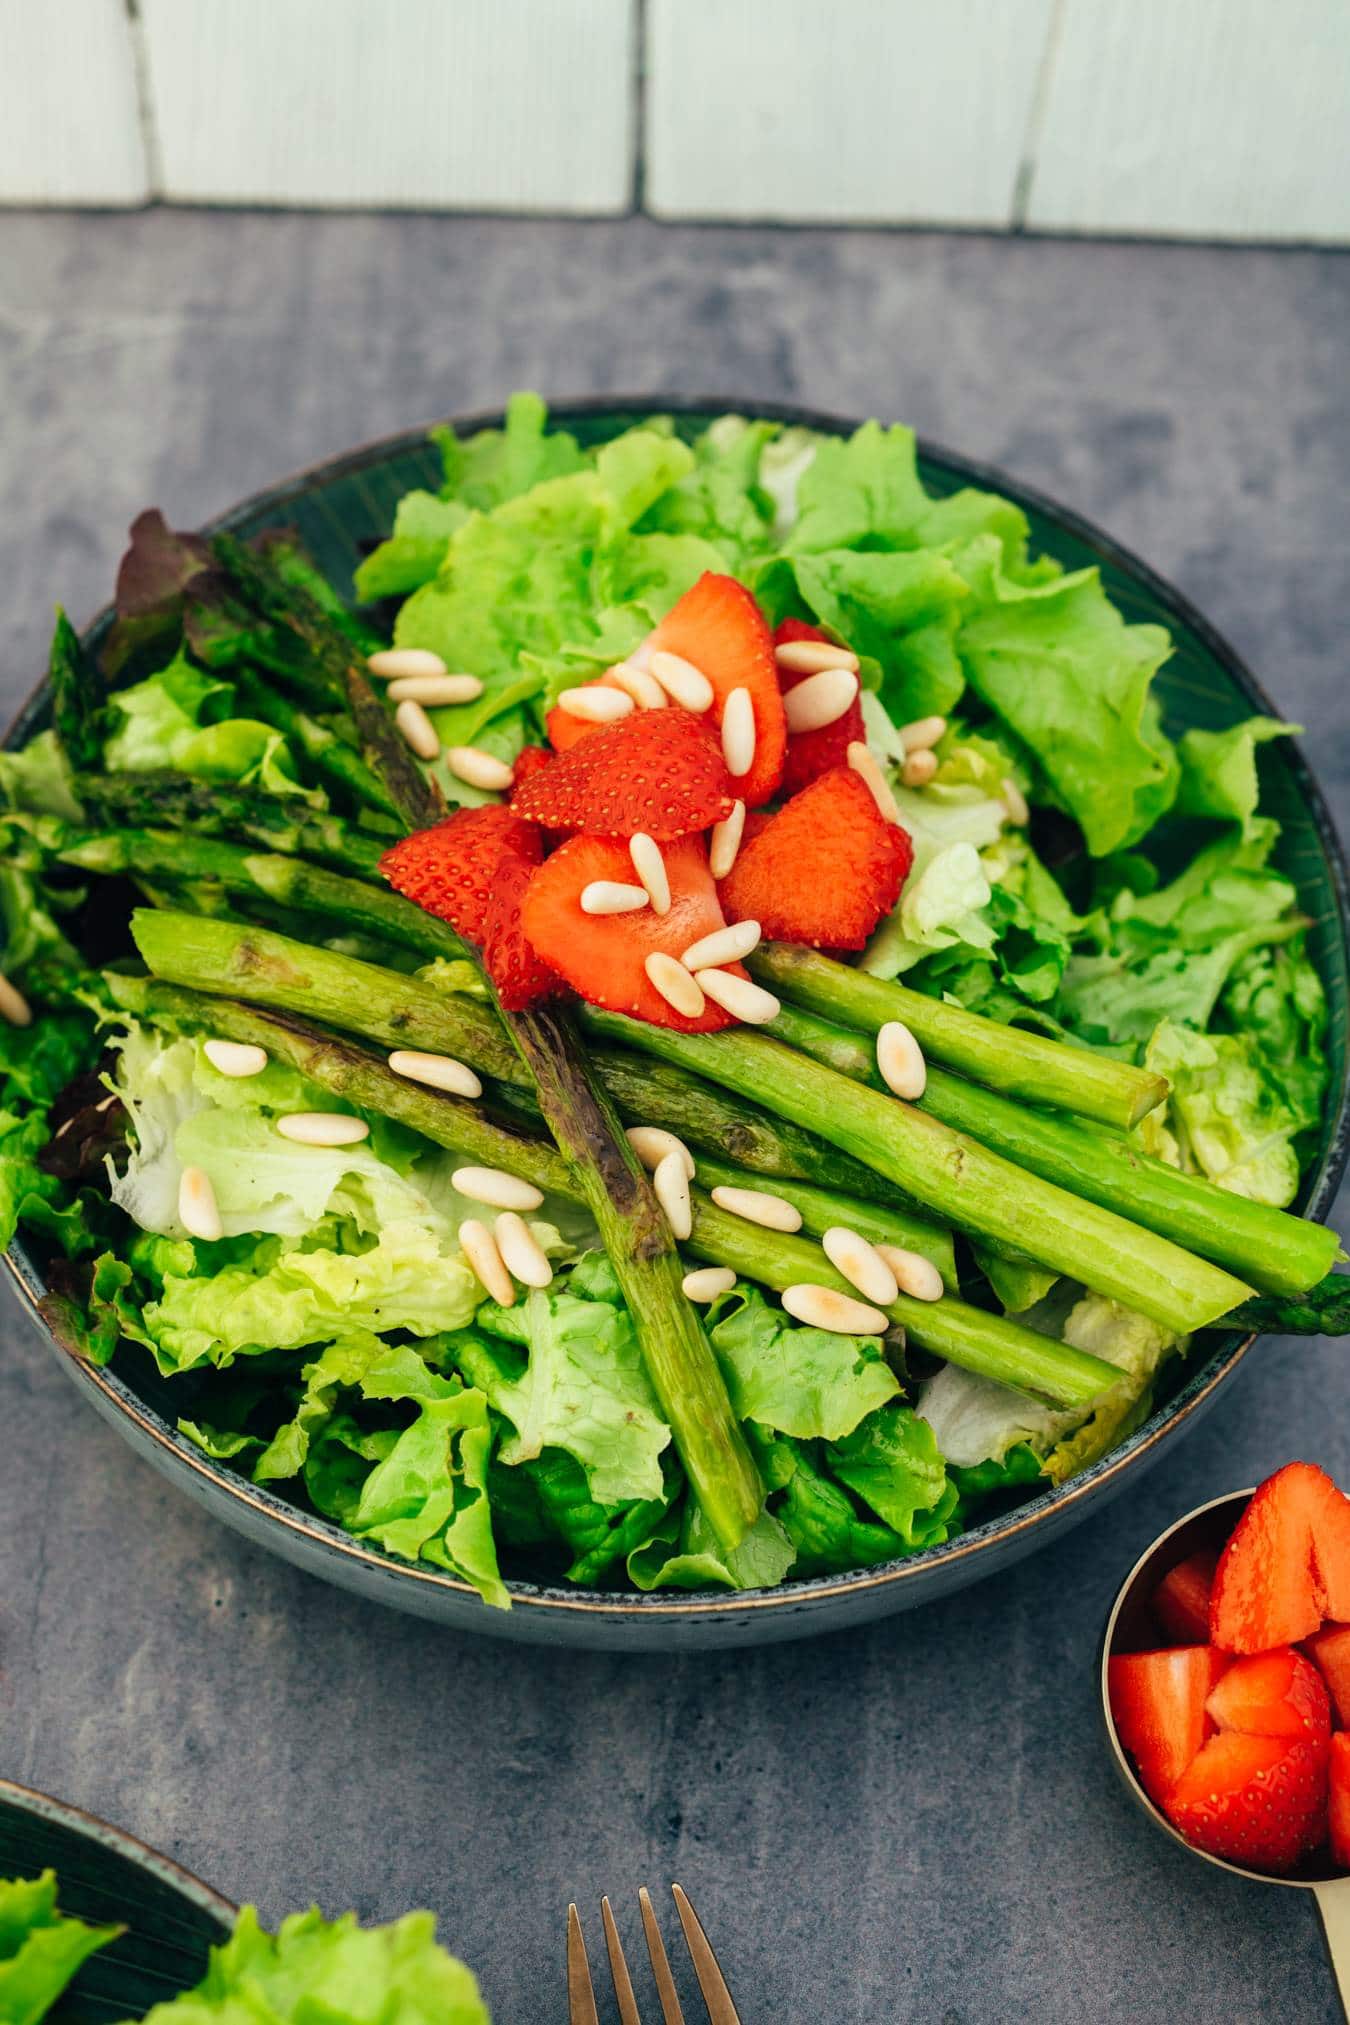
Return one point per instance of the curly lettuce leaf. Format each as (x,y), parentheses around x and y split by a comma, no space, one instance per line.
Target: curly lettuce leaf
(597,1536)
(1223,1118)
(684,1554)
(892,1462)
(41,1948)
(794,1379)
(180,718)
(1218,769)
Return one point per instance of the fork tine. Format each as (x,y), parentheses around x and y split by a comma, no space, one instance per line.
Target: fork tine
(580,1991)
(618,1969)
(665,1982)
(716,1996)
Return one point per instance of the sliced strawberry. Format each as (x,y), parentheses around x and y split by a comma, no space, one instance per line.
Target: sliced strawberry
(1338,1799)
(811,753)
(531,759)
(1258,1801)
(660,771)
(520,975)
(1287,1566)
(449,869)
(1329,1651)
(718,627)
(1181,1599)
(1273,1694)
(565,730)
(824,870)
(603,955)
(1158,1707)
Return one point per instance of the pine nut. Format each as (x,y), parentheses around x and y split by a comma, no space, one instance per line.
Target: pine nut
(438,1072)
(520,1251)
(918,769)
(724,945)
(756,1205)
(682,681)
(652,1143)
(396,661)
(477,769)
(738,996)
(821,699)
(670,1184)
(480,1249)
(924,732)
(824,1308)
(900,1060)
(198,1210)
(607,896)
(644,689)
(418,730)
(861,1263)
(235,1058)
(323,1128)
(861,759)
(650,867)
(438,690)
(675,984)
(1015,802)
(14,1007)
(738,732)
(497,1188)
(709,1283)
(914,1274)
(596,703)
(726,841)
(812,657)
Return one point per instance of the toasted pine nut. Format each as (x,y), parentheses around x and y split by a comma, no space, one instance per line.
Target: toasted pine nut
(709,1283)
(864,764)
(824,1308)
(608,896)
(756,1205)
(675,984)
(924,732)
(323,1128)
(650,867)
(724,945)
(861,1263)
(418,730)
(644,689)
(738,996)
(596,703)
(393,662)
(810,657)
(478,769)
(918,769)
(480,1249)
(438,690)
(738,732)
(652,1143)
(1015,802)
(670,1184)
(198,1210)
(900,1060)
(438,1072)
(235,1058)
(682,681)
(520,1251)
(14,1007)
(914,1274)
(726,841)
(820,699)
(496,1187)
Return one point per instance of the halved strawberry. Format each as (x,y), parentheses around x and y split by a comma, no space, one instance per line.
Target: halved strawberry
(1287,1566)
(1329,1651)
(449,869)
(1338,1799)
(1181,1599)
(1273,1694)
(718,627)
(603,955)
(1259,1801)
(531,759)
(564,730)
(1158,1707)
(811,753)
(660,771)
(824,870)
(520,975)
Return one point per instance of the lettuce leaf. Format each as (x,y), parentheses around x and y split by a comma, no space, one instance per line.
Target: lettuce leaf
(1218,769)
(794,1379)
(180,718)
(683,1554)
(41,1948)
(892,1462)
(1223,1118)
(596,1535)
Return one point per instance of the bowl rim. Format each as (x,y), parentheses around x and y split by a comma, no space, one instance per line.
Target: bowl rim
(93,1828)
(1048,1506)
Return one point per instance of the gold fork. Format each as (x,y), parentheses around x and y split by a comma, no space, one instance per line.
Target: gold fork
(581,1991)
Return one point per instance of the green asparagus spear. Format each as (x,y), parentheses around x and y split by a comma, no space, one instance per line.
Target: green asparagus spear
(823,1209)
(77,695)
(215,808)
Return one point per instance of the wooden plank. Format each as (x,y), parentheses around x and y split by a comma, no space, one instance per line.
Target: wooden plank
(881,110)
(1212,118)
(476,105)
(70,125)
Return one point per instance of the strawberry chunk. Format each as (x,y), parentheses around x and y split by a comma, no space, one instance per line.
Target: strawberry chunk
(1287,1566)
(1273,1694)
(531,759)
(1338,1800)
(1258,1801)
(449,869)
(1181,1599)
(811,753)
(720,630)
(660,771)
(520,975)
(824,870)
(1158,1707)
(603,955)
(565,730)
(1329,1651)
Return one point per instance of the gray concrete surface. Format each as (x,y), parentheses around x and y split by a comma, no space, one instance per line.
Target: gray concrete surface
(911,1822)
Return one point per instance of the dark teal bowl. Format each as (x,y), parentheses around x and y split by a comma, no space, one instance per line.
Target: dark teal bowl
(340,506)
